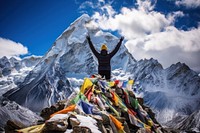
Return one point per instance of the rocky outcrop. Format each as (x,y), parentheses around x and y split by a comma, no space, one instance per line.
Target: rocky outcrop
(13,116)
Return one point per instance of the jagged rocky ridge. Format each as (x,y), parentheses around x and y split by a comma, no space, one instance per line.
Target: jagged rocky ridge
(169,92)
(14,70)
(10,65)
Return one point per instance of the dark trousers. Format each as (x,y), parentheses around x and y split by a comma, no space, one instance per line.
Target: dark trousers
(106,73)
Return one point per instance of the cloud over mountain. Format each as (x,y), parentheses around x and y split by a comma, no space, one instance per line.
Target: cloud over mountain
(11,48)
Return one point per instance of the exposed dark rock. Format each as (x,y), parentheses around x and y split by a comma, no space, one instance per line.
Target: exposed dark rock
(11,126)
(57,126)
(46,112)
(81,129)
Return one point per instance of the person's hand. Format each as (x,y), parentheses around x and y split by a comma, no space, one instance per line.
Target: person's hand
(88,37)
(122,38)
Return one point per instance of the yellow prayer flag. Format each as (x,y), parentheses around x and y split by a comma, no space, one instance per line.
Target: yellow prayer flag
(111,83)
(147,127)
(86,84)
(131,82)
(129,85)
(32,129)
(150,123)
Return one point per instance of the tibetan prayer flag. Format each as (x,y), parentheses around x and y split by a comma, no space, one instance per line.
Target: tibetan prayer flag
(131,82)
(32,129)
(111,84)
(115,99)
(117,123)
(86,107)
(86,84)
(65,111)
(120,84)
(129,85)
(124,84)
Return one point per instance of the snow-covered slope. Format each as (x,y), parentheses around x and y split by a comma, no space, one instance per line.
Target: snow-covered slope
(186,123)
(170,92)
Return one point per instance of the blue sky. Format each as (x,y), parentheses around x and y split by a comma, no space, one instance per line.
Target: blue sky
(36,23)
(156,28)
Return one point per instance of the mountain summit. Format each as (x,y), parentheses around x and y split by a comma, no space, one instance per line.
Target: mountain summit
(169,92)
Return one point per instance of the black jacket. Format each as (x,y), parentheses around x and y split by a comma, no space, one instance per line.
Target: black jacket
(103,57)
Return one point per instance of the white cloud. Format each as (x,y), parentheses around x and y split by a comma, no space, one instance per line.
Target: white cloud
(86,4)
(133,23)
(91,4)
(152,34)
(11,48)
(101,1)
(169,47)
(188,3)
(146,5)
(188,41)
(108,10)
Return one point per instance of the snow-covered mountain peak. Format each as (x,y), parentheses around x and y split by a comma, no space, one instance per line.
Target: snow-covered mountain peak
(151,63)
(70,55)
(75,33)
(73,42)
(80,31)
(179,67)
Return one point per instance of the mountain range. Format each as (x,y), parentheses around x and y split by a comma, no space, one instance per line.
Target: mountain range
(37,82)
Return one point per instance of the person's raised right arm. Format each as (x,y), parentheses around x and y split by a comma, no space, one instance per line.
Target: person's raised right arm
(92,46)
(117,47)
